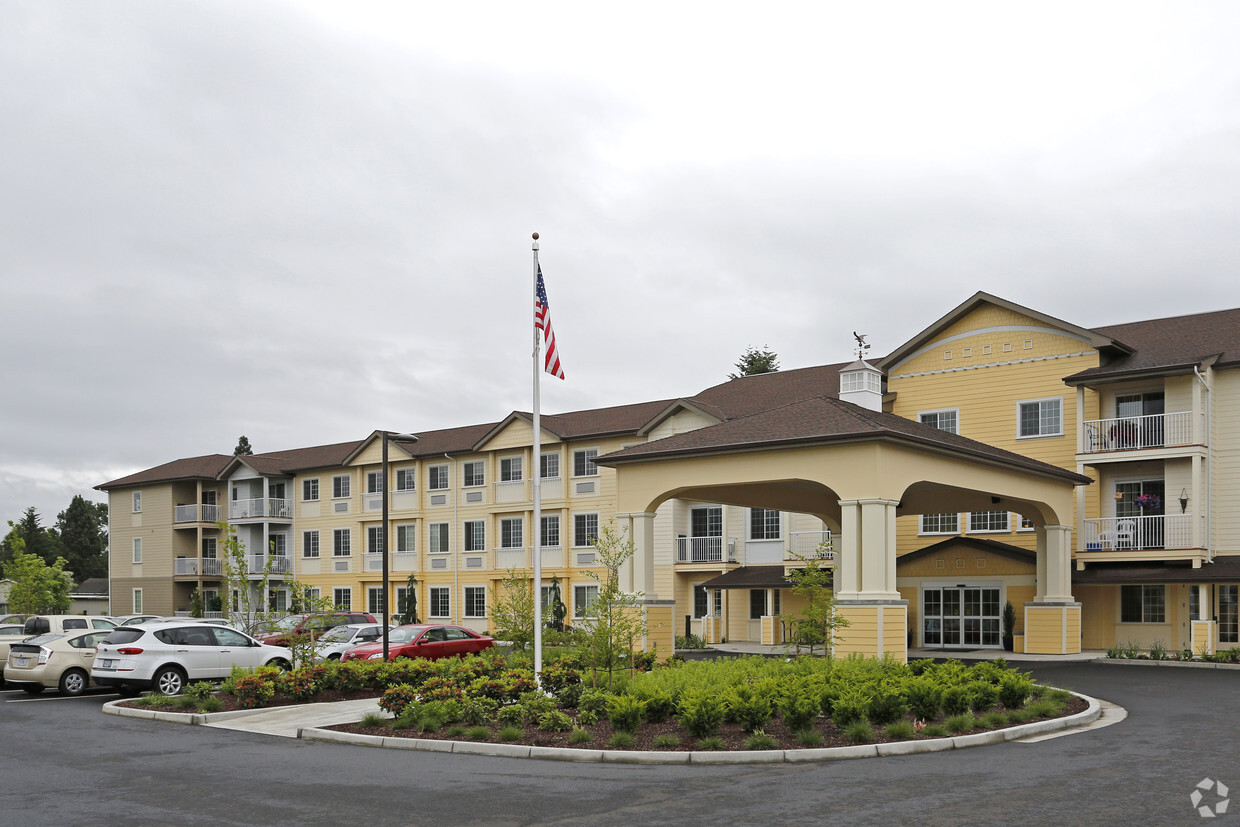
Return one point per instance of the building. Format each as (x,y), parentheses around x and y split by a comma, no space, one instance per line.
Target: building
(998,455)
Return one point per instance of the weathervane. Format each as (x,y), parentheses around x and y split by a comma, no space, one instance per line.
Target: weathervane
(862,345)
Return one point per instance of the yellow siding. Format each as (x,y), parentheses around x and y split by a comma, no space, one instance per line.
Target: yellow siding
(964,562)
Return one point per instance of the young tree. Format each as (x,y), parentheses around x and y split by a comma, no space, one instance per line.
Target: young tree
(816,623)
(409,611)
(243,448)
(37,587)
(512,609)
(756,361)
(244,602)
(615,618)
(83,533)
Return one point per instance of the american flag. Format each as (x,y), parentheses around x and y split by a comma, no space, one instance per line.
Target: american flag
(542,321)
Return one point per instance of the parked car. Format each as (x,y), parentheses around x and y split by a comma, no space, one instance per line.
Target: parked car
(317,623)
(56,624)
(61,660)
(8,619)
(167,656)
(422,641)
(9,633)
(134,620)
(335,642)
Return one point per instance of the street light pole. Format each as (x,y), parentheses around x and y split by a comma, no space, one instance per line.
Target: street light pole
(385,546)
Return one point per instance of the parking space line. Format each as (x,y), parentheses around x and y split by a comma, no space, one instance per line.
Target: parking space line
(37,699)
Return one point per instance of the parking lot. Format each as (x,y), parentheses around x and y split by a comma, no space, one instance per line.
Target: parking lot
(85,765)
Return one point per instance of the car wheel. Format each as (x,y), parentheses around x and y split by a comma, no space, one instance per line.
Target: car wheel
(279,663)
(33,689)
(169,681)
(74,682)
(333,657)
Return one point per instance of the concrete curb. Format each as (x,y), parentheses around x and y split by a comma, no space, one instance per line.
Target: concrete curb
(1182,664)
(190,718)
(791,756)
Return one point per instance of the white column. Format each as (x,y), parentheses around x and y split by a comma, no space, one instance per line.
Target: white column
(848,556)
(1054,547)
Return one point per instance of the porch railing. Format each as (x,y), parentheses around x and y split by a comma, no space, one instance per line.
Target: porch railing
(1155,531)
(1132,433)
(280,564)
(204,513)
(811,544)
(699,549)
(206,566)
(260,507)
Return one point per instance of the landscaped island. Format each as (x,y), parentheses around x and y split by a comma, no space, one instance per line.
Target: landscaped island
(748,703)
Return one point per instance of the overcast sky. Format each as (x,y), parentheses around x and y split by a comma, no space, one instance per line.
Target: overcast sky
(304,221)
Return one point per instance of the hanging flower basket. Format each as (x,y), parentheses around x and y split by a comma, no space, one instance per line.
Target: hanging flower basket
(1150,502)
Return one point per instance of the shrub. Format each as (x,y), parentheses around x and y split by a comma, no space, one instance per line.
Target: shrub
(690,642)
(555,721)
(594,702)
(851,706)
(859,731)
(396,699)
(478,733)
(712,743)
(199,691)
(760,740)
(659,706)
(809,738)
(798,707)
(919,667)
(535,704)
(1044,708)
(748,707)
(994,720)
(1019,716)
(580,736)
(886,704)
(925,697)
(625,712)
(666,742)
(934,731)
(373,719)
(958,724)
(901,730)
(448,710)
(512,715)
(253,691)
(511,733)
(701,713)
(983,695)
(1015,689)
(621,740)
(478,711)
(353,676)
(212,704)
(587,718)
(409,719)
(955,700)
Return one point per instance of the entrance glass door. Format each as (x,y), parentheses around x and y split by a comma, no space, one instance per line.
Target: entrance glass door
(958,616)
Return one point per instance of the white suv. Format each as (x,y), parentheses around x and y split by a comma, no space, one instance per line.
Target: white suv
(167,656)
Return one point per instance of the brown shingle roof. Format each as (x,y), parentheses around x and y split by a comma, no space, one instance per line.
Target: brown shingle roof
(821,420)
(1170,345)
(750,394)
(191,468)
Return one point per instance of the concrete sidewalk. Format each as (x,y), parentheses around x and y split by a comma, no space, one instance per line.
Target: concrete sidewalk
(286,721)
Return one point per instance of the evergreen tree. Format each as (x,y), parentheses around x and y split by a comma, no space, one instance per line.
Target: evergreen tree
(243,448)
(756,361)
(36,539)
(83,532)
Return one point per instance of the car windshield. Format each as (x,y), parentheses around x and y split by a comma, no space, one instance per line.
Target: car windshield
(41,639)
(338,635)
(405,634)
(124,634)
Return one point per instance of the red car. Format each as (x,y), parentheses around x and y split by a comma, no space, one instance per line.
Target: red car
(317,623)
(422,641)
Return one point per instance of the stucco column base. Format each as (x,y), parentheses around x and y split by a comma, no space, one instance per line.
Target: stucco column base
(1204,633)
(1052,628)
(876,629)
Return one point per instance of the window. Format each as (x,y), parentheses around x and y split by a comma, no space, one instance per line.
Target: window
(861,380)
(403,594)
(1228,628)
(437,477)
(585,529)
(1143,604)
(757,603)
(943,420)
(775,601)
(340,487)
(474,475)
(1024,523)
(510,469)
(475,601)
(584,598)
(137,601)
(550,531)
(406,539)
(1041,417)
(137,502)
(279,545)
(374,482)
(277,600)
(405,479)
(988,521)
(510,533)
(702,602)
(475,535)
(549,466)
(1194,602)
(310,490)
(137,549)
(342,540)
(374,600)
(438,538)
(309,544)
(439,601)
(208,547)
(763,524)
(374,539)
(940,523)
(583,463)
(342,597)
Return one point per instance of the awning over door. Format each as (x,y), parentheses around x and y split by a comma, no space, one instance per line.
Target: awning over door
(1222,570)
(750,577)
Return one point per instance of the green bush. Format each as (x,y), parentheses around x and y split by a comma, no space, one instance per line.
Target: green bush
(955,700)
(666,742)
(625,712)
(478,733)
(511,715)
(859,731)
(924,696)
(555,721)
(934,731)
(714,742)
(593,702)
(478,711)
(760,740)
(621,740)
(748,707)
(886,704)
(851,706)
(983,695)
(511,733)
(809,738)
(199,691)
(901,730)
(958,724)
(1014,689)
(396,699)
(253,691)
(994,720)
(798,707)
(211,704)
(690,642)
(658,706)
(580,736)
(1045,708)
(918,667)
(701,713)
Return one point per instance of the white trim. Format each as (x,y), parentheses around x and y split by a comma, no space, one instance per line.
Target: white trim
(938,343)
(1039,401)
(348,479)
(936,411)
(465,602)
(990,365)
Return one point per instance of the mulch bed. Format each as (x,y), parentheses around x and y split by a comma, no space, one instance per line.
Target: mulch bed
(733,737)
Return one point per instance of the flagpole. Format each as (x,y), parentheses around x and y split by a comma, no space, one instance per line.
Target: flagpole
(536,473)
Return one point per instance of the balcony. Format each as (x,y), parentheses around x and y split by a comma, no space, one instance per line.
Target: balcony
(194,566)
(261,508)
(204,513)
(511,491)
(810,545)
(699,549)
(280,564)
(1147,537)
(1136,433)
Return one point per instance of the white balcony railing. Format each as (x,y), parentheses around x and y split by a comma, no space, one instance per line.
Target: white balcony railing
(280,564)
(811,545)
(1157,531)
(511,491)
(196,513)
(699,549)
(262,507)
(1132,433)
(206,566)
(372,561)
